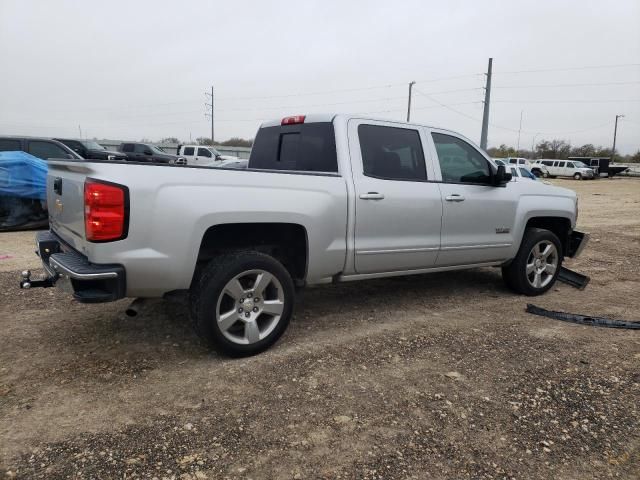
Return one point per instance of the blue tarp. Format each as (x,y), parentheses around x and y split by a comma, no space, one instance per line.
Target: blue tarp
(23,176)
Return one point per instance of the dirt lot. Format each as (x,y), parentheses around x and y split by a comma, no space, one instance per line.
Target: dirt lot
(442,376)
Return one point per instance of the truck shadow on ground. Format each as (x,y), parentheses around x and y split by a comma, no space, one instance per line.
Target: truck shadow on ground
(163,328)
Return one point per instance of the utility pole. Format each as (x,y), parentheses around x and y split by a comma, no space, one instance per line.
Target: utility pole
(533,142)
(615,132)
(485,114)
(210,105)
(80,130)
(411,84)
(519,130)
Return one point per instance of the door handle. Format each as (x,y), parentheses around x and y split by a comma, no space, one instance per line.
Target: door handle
(371,196)
(454,198)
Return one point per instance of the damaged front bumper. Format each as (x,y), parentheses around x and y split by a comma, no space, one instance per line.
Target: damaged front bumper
(69,269)
(576,243)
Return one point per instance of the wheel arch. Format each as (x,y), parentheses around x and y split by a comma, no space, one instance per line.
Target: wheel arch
(287,242)
(560,226)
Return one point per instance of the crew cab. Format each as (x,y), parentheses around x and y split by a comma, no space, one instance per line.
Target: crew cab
(145,152)
(203,155)
(325,199)
(90,149)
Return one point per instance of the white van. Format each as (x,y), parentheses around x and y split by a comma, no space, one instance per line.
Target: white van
(203,155)
(565,168)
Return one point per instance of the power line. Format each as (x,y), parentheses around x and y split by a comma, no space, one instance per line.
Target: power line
(568,101)
(570,85)
(448,107)
(568,69)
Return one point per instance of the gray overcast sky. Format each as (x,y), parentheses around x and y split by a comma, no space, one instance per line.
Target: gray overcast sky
(139,69)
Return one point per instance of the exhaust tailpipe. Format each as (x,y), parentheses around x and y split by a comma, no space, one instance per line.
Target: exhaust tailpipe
(135,307)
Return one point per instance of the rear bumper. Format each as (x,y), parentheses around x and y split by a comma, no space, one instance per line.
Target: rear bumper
(90,282)
(577,242)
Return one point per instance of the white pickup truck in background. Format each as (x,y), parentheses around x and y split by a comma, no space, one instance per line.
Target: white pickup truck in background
(202,155)
(325,199)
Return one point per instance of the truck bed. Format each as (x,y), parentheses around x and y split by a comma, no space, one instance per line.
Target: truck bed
(171,208)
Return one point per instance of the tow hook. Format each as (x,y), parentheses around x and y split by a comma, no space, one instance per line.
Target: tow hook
(26,281)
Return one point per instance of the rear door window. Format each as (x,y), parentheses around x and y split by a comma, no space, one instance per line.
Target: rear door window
(307,147)
(139,148)
(391,153)
(127,147)
(7,145)
(188,151)
(45,150)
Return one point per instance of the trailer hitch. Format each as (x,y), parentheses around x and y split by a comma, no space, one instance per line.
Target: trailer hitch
(27,282)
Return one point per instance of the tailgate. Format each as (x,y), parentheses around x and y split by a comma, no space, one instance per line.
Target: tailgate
(65,200)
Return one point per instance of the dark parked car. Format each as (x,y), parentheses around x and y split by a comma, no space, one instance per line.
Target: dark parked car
(90,149)
(145,152)
(43,148)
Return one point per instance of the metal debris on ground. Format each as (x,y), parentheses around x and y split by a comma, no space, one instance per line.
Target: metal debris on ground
(583,319)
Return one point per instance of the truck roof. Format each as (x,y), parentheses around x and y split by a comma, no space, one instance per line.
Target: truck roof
(330,117)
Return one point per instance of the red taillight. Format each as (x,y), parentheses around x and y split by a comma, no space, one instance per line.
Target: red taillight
(293,120)
(105,211)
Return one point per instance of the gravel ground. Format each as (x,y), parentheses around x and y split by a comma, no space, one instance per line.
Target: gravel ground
(439,376)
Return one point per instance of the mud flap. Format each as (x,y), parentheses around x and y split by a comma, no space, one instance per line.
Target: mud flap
(572,278)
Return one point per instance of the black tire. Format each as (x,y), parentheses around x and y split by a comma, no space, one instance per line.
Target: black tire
(207,290)
(577,176)
(515,274)
(536,172)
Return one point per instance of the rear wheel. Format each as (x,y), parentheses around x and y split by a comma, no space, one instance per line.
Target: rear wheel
(577,176)
(535,268)
(242,302)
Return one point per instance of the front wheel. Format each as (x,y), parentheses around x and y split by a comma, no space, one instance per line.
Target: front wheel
(535,268)
(577,176)
(545,174)
(242,302)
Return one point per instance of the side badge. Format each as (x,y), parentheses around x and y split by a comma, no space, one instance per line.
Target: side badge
(503,229)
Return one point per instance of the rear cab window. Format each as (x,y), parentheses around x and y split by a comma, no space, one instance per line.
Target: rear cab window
(306,147)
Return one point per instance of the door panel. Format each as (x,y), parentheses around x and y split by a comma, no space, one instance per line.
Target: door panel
(477,218)
(397,220)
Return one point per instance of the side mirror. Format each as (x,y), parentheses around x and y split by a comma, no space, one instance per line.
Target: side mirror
(501,177)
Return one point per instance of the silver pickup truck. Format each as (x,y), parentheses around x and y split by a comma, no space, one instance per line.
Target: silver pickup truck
(325,199)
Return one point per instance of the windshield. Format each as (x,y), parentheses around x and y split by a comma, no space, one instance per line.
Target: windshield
(91,145)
